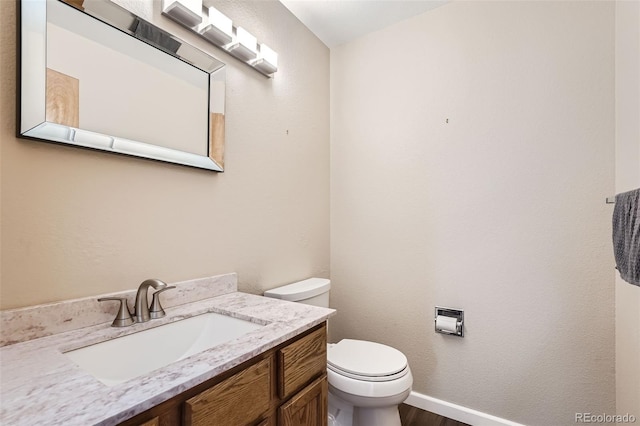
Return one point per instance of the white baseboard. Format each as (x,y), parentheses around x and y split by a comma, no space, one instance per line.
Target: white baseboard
(456,412)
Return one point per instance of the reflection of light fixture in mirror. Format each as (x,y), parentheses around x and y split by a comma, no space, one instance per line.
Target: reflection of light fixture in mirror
(217,28)
(187,12)
(245,46)
(267,61)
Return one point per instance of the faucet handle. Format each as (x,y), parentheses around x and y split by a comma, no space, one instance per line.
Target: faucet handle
(123,318)
(156,311)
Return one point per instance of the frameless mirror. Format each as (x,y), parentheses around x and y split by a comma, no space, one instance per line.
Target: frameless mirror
(96,76)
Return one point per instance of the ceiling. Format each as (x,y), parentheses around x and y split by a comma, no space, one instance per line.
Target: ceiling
(339,21)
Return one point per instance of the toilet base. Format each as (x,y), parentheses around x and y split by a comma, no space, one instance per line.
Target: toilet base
(381,416)
(340,412)
(343,413)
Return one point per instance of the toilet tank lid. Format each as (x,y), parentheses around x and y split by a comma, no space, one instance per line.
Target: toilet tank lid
(300,290)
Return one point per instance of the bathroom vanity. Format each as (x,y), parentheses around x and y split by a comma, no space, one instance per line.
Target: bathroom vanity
(272,375)
(284,386)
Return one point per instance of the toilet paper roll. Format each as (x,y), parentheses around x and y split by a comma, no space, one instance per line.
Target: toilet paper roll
(447,324)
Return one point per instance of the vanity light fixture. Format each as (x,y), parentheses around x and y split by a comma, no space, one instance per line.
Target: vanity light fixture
(186,12)
(245,45)
(217,28)
(267,61)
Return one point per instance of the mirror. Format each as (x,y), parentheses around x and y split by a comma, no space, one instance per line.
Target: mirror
(96,76)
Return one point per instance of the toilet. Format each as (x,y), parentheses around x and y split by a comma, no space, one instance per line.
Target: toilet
(367,380)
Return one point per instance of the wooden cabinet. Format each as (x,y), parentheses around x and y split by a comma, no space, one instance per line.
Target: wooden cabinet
(308,407)
(285,386)
(239,400)
(271,421)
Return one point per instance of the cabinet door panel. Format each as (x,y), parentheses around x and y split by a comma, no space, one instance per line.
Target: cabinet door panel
(301,361)
(237,401)
(308,407)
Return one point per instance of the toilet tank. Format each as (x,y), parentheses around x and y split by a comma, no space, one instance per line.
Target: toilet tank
(312,291)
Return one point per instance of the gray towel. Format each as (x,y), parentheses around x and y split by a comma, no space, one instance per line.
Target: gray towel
(626,235)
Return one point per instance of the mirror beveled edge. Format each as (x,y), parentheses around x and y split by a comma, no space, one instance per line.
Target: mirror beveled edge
(37,86)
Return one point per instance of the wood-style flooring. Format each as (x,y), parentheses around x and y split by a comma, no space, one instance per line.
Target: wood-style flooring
(412,416)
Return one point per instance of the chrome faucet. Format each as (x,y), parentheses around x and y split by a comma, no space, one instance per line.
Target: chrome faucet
(141,312)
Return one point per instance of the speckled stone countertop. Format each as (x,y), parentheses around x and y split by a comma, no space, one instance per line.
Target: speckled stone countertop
(41,386)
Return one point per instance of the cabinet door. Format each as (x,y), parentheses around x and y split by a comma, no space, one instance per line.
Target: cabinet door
(307,408)
(237,401)
(301,361)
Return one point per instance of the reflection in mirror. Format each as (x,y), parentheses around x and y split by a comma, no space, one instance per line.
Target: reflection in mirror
(105,79)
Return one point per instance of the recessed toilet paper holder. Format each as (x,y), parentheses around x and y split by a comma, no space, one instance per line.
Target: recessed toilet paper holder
(444,321)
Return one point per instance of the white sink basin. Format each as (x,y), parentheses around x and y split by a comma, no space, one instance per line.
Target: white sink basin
(118,360)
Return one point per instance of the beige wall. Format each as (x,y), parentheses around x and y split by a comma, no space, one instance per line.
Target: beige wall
(627,178)
(77,222)
(500,212)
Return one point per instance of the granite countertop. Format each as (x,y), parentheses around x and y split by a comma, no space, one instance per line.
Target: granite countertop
(41,386)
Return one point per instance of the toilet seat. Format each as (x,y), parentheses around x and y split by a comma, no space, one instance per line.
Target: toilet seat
(361,369)
(366,361)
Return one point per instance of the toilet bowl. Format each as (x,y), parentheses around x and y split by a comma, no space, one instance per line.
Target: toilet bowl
(367,380)
(370,377)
